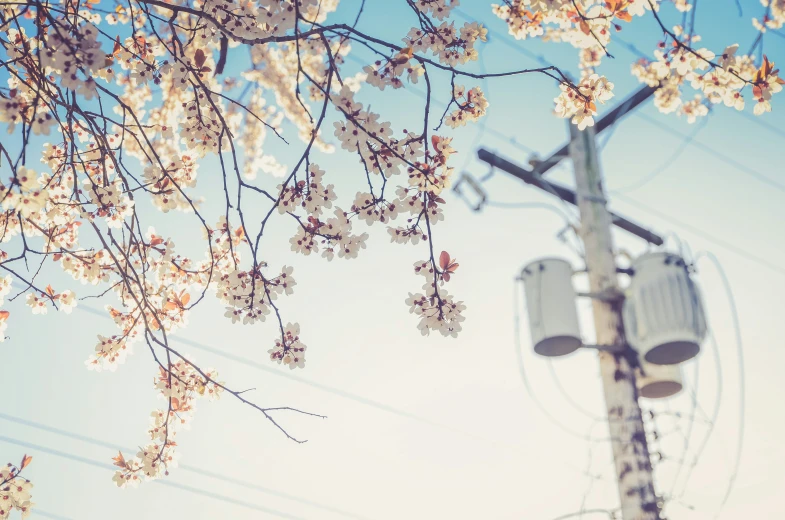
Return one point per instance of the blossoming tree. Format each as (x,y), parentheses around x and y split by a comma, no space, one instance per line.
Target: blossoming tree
(111,103)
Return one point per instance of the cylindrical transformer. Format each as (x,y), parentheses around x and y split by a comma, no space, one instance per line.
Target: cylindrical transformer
(550,302)
(658,381)
(663,315)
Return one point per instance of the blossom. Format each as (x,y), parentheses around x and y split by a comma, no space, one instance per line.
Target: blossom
(289,350)
(15,490)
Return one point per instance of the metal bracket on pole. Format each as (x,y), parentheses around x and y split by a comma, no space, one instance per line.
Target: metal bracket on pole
(608,296)
(606,348)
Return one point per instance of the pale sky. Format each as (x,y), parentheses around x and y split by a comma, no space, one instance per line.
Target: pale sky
(427,427)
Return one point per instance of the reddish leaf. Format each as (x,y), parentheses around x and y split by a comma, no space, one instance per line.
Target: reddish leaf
(4,315)
(26,459)
(49,290)
(119,461)
(624,15)
(452,267)
(444,260)
(199,58)
(446,276)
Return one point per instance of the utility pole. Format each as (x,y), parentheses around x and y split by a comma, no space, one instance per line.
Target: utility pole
(631,457)
(625,422)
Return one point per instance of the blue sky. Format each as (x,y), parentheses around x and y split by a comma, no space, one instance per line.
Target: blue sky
(443,428)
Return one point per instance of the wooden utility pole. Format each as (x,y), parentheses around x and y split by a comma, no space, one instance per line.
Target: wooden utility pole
(628,437)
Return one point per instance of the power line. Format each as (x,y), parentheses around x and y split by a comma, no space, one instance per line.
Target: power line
(163,482)
(740,356)
(47,514)
(325,388)
(329,389)
(703,234)
(184,467)
(712,420)
(760,122)
(666,163)
(713,151)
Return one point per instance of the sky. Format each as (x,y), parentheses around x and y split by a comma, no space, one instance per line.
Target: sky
(428,427)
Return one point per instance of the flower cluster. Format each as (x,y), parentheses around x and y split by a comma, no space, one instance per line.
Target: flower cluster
(437,310)
(180,384)
(249,295)
(579,102)
(15,490)
(388,73)
(452,47)
(471,106)
(289,350)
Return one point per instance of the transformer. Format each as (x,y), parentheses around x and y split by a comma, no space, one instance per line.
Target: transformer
(550,304)
(663,315)
(658,381)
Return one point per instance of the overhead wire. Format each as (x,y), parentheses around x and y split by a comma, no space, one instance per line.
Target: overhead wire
(740,359)
(664,165)
(163,482)
(703,234)
(712,421)
(330,389)
(751,172)
(184,467)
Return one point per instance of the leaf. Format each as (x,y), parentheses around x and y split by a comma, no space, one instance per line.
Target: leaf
(175,402)
(4,315)
(585,27)
(444,260)
(185,299)
(767,66)
(452,267)
(119,461)
(435,140)
(26,460)
(170,305)
(49,290)
(199,58)
(117,46)
(57,256)
(624,15)
(446,277)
